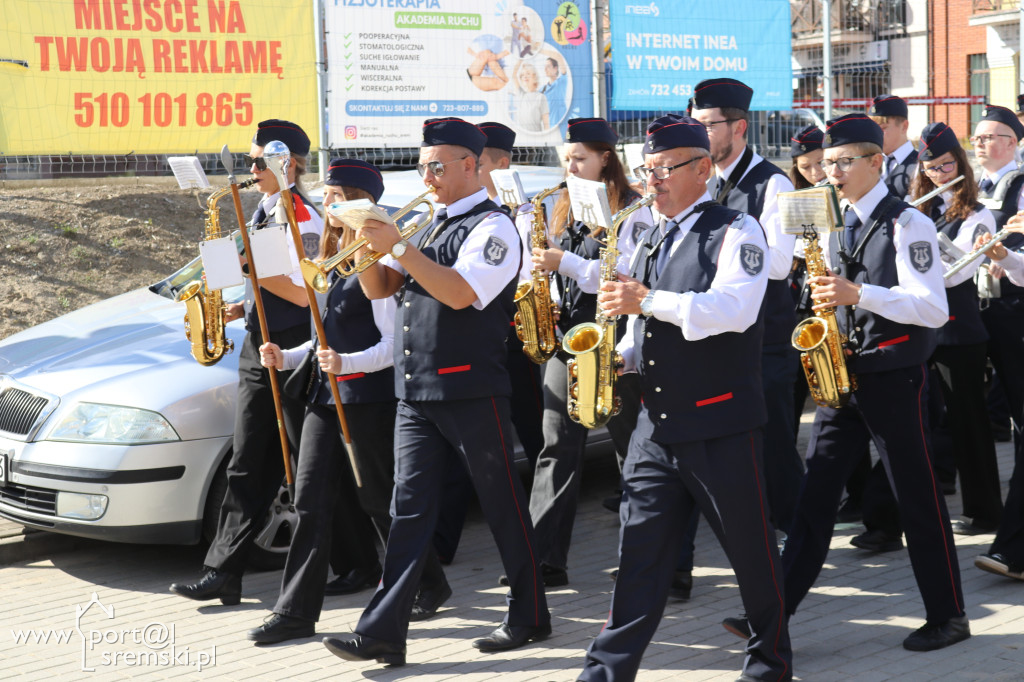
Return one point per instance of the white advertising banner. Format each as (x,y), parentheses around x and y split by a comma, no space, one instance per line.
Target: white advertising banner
(395,63)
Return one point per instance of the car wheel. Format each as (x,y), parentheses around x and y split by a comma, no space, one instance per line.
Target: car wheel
(270,548)
(275,529)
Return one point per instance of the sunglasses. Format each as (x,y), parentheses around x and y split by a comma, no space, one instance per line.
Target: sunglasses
(436,168)
(261,163)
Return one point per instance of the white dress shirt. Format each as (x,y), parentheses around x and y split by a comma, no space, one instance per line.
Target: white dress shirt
(731,304)
(1013,264)
(486,280)
(965,237)
(918,298)
(780,246)
(373,359)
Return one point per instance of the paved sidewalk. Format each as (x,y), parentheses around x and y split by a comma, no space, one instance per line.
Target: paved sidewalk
(849,627)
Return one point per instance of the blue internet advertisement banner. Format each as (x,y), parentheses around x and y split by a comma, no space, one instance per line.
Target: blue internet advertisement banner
(662,48)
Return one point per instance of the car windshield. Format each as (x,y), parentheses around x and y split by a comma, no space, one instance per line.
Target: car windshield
(193,270)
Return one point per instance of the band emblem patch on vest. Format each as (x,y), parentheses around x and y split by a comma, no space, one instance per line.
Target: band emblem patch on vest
(638,229)
(494,252)
(310,244)
(921,256)
(752,259)
(979,230)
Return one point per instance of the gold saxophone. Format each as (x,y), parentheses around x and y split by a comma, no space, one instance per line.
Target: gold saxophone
(593,368)
(204,309)
(820,344)
(536,313)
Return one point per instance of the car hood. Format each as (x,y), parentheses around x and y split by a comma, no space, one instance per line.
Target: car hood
(101,344)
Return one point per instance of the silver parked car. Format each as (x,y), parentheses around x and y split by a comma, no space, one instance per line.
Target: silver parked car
(110,430)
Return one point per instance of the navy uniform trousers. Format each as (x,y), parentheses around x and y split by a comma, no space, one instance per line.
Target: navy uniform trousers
(663,483)
(428,435)
(889,408)
(256,468)
(325,502)
(556,479)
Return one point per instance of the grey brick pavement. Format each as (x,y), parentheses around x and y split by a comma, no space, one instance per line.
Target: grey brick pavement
(849,628)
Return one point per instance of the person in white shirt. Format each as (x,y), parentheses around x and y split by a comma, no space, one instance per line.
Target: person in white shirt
(900,166)
(693,335)
(885,284)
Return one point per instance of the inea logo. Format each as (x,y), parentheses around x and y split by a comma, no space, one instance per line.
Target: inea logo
(644,10)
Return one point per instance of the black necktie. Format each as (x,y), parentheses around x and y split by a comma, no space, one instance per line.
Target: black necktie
(852,222)
(937,209)
(671,232)
(436,226)
(890,165)
(986,186)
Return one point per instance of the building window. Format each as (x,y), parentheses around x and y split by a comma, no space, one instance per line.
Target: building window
(892,15)
(977,66)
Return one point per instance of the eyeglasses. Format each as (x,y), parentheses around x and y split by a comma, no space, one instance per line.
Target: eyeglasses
(844,162)
(436,168)
(977,140)
(711,124)
(261,163)
(944,168)
(660,172)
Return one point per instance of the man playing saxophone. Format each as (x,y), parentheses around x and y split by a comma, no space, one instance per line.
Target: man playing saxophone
(694,336)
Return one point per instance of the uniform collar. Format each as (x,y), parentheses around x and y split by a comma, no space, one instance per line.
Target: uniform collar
(998,175)
(903,151)
(867,204)
(683,214)
(463,205)
(269,201)
(726,172)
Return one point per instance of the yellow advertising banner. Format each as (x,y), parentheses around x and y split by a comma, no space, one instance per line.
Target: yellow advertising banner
(152,76)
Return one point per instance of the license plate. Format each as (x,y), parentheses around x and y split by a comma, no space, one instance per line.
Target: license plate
(3,468)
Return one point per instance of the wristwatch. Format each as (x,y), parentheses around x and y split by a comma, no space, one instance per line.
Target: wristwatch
(647,304)
(398,250)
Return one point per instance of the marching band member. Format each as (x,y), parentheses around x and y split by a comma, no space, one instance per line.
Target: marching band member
(746,182)
(900,167)
(457,285)
(256,468)
(1006,554)
(962,341)
(360,337)
(694,336)
(590,155)
(890,323)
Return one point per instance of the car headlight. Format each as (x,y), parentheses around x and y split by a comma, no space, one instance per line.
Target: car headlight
(96,423)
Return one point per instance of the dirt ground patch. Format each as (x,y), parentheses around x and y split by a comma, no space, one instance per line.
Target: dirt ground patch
(64,247)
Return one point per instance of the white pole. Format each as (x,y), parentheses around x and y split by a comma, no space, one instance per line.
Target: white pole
(321,87)
(1020,51)
(826,54)
(597,8)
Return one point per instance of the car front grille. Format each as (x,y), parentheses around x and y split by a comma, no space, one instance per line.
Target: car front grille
(19,410)
(24,498)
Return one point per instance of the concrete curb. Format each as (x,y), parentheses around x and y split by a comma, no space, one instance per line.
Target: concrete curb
(24,544)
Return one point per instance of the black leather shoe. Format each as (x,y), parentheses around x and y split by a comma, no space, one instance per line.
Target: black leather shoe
(361,648)
(356,580)
(214,585)
(429,601)
(512,637)
(682,585)
(1000,565)
(553,577)
(738,626)
(280,628)
(612,503)
(932,636)
(876,541)
(969,527)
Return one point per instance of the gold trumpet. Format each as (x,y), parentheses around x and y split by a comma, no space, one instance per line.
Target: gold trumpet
(316,274)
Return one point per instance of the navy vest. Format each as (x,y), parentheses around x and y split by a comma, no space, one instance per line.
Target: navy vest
(1009,187)
(777,309)
(349,326)
(447,354)
(281,314)
(697,390)
(965,325)
(898,181)
(879,344)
